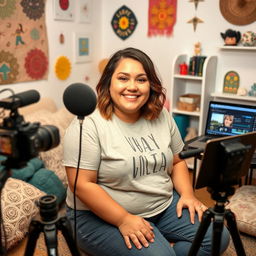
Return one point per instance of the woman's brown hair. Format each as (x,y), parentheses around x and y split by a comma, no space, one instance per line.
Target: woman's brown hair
(155,103)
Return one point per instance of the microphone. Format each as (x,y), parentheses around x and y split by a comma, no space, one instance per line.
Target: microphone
(80,99)
(190,153)
(20,100)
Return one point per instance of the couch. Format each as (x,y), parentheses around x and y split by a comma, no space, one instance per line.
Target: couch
(18,197)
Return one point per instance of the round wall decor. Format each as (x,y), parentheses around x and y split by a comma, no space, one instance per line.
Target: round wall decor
(238,12)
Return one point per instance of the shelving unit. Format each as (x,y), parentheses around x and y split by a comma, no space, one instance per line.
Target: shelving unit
(203,85)
(234,97)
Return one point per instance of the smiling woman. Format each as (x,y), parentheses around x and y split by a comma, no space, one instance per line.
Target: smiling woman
(131,164)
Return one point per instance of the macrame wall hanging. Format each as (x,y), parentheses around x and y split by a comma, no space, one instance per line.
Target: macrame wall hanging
(195,20)
(23,41)
(161,17)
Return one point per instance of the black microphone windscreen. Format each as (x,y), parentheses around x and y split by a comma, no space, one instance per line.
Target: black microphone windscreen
(80,99)
(27,97)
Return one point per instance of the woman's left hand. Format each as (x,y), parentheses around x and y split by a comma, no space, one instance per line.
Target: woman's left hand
(193,205)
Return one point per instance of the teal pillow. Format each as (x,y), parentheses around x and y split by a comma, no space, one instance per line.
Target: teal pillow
(50,183)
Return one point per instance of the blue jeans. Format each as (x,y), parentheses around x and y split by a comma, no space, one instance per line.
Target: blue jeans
(97,237)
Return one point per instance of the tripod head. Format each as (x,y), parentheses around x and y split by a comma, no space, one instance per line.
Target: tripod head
(48,208)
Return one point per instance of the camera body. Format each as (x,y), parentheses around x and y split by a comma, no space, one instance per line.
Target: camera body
(20,140)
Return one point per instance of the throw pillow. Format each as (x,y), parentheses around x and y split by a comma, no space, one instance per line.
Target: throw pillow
(18,208)
(242,204)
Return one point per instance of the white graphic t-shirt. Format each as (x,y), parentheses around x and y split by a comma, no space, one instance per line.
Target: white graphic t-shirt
(133,161)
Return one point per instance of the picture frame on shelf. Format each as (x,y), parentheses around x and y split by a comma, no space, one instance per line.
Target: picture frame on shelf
(85,11)
(64,10)
(83,47)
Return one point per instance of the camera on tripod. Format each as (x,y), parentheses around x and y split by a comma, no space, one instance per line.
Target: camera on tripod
(20,140)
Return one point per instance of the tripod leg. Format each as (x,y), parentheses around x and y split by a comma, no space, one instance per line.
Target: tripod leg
(65,228)
(34,231)
(206,220)
(217,231)
(50,236)
(231,222)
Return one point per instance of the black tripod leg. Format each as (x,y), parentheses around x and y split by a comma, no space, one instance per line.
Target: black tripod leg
(66,230)
(50,237)
(231,223)
(218,223)
(206,220)
(34,231)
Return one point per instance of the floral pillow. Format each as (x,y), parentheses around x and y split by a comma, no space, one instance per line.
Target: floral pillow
(18,208)
(243,205)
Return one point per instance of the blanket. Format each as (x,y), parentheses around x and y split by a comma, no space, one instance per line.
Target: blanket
(35,174)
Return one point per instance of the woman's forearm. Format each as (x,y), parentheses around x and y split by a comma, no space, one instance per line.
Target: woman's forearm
(99,202)
(181,179)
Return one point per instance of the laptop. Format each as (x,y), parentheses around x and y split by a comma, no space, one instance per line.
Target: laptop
(225,119)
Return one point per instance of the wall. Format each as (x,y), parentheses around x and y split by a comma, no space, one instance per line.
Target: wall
(163,49)
(53,87)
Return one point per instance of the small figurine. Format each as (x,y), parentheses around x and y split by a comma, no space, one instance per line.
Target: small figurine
(241,91)
(252,91)
(197,49)
(231,37)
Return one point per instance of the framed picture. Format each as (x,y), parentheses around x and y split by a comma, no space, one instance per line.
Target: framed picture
(64,10)
(83,47)
(85,11)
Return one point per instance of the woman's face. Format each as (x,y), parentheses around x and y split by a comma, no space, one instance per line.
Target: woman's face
(228,121)
(129,89)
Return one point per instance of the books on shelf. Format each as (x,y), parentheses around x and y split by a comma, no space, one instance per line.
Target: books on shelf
(196,64)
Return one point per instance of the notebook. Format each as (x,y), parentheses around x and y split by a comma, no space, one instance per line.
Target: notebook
(226,119)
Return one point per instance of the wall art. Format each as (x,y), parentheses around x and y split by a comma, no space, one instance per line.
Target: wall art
(124,22)
(83,47)
(24,43)
(64,10)
(85,11)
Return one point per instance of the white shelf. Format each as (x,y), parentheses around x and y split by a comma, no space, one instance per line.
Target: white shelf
(189,113)
(240,48)
(188,77)
(233,96)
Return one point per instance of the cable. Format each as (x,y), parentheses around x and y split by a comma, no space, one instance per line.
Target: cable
(76,178)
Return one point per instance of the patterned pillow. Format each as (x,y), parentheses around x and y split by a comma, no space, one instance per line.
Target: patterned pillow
(18,208)
(243,205)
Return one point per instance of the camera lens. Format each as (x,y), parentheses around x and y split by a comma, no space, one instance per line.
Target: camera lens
(47,137)
(48,207)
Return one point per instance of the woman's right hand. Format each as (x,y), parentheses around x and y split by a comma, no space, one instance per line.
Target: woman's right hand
(137,230)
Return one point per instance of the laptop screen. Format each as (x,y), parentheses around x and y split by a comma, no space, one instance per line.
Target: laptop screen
(226,119)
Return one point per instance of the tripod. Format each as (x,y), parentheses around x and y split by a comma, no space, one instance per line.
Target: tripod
(218,213)
(49,224)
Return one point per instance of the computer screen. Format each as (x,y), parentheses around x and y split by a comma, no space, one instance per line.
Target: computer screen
(226,119)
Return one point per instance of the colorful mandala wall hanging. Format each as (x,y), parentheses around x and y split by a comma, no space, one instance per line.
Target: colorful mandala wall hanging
(124,22)
(62,68)
(161,17)
(23,37)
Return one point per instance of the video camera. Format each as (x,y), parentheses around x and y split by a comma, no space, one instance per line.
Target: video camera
(20,140)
